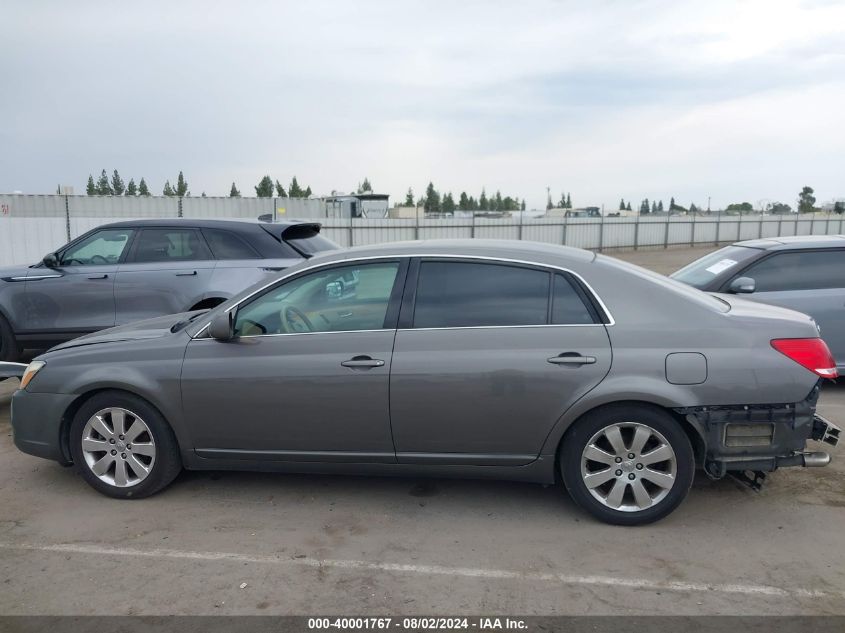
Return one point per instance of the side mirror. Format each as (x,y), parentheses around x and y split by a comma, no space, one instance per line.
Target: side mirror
(743,285)
(50,260)
(222,327)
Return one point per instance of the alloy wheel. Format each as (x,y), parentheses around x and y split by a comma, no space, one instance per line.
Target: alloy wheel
(628,466)
(118,447)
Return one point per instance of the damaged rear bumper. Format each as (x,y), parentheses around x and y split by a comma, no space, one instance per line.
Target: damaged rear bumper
(761,437)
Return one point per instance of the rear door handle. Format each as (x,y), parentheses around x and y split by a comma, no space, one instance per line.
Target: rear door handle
(103,276)
(190,273)
(362,362)
(570,358)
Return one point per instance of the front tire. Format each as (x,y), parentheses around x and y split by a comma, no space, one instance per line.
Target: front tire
(123,447)
(627,464)
(9,349)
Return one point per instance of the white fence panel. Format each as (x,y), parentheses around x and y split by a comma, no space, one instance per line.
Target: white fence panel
(25,240)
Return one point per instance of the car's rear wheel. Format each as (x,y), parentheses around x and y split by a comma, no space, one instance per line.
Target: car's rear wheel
(627,465)
(123,446)
(9,348)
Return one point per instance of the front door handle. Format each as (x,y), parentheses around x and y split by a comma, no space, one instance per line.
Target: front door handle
(362,362)
(103,276)
(190,273)
(571,358)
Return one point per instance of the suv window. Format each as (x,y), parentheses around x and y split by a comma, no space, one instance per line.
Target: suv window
(799,270)
(338,299)
(568,307)
(227,245)
(169,245)
(464,294)
(102,247)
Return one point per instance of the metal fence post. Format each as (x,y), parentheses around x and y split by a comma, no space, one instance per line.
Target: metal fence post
(718,227)
(739,227)
(179,208)
(827,225)
(812,223)
(417,223)
(563,236)
(795,232)
(520,225)
(666,233)
(601,233)
(780,221)
(637,231)
(692,232)
(351,233)
(67,218)
(760,228)
(472,226)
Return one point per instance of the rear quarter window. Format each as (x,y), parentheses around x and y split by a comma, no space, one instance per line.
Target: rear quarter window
(227,245)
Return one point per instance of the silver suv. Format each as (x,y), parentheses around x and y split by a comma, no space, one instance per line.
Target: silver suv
(128,271)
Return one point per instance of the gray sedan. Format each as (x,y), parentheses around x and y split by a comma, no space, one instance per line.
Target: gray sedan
(506,360)
(804,273)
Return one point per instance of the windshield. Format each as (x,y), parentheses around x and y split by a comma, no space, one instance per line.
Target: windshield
(702,271)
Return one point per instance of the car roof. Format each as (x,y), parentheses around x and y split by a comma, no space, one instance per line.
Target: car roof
(201,223)
(518,250)
(793,242)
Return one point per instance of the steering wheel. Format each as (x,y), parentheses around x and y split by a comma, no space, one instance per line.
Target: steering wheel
(296,321)
(93,257)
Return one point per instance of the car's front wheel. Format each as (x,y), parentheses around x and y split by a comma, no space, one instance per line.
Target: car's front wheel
(627,465)
(123,446)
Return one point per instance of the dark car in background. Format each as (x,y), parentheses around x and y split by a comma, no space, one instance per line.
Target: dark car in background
(805,273)
(133,270)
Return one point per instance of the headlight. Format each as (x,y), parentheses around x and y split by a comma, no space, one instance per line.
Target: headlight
(33,368)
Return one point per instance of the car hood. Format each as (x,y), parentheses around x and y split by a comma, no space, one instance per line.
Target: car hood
(14,273)
(147,329)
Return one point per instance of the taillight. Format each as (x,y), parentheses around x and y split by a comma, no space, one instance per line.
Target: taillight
(811,353)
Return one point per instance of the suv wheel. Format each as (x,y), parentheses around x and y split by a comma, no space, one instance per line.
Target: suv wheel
(123,447)
(627,465)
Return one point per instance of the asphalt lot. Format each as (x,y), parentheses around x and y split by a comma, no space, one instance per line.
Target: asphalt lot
(355,545)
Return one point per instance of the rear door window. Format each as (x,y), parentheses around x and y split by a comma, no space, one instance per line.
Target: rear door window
(799,270)
(170,245)
(468,294)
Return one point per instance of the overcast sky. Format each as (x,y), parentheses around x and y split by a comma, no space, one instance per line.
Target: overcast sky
(606,99)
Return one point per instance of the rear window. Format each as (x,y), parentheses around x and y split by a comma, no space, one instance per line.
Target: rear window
(306,239)
(227,245)
(702,271)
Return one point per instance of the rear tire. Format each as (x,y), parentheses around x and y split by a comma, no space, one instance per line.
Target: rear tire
(123,447)
(627,464)
(9,349)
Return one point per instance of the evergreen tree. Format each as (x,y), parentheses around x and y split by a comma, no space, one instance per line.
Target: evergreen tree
(660,206)
(202,195)
(432,199)
(91,188)
(103,186)
(294,190)
(409,198)
(182,186)
(143,190)
(806,200)
(568,201)
(653,206)
(117,185)
(448,205)
(562,203)
(622,204)
(672,203)
(131,188)
(693,208)
(264,189)
(463,202)
(307,192)
(483,204)
(644,206)
(280,191)
(365,187)
(497,203)
(628,206)
(233,192)
(473,204)
(168,190)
